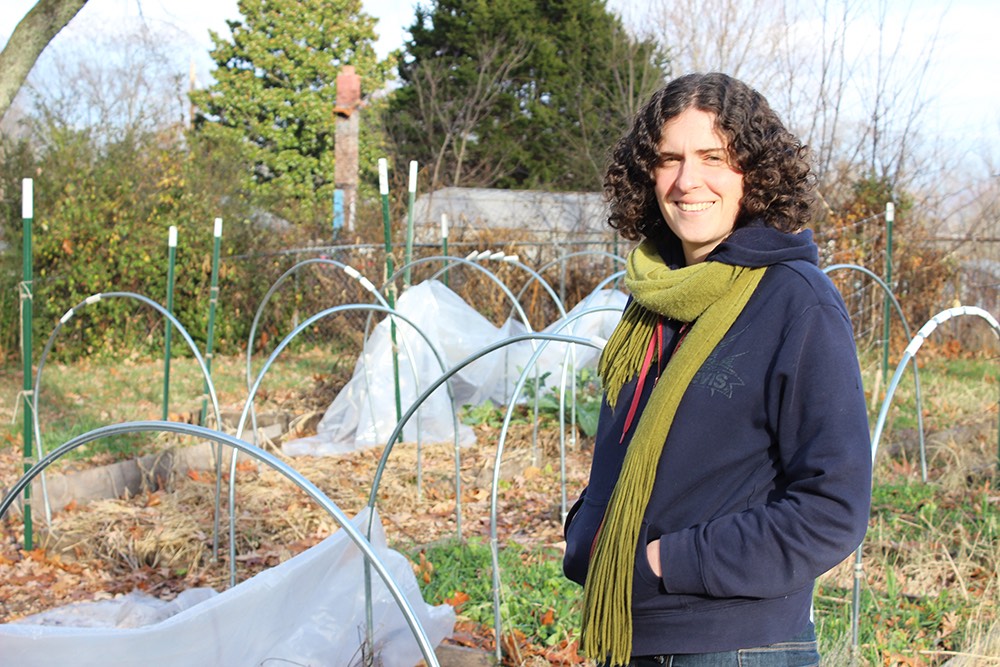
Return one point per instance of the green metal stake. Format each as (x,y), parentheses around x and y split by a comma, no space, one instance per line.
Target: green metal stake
(27,213)
(444,242)
(213,300)
(890,216)
(412,190)
(390,296)
(409,222)
(172,260)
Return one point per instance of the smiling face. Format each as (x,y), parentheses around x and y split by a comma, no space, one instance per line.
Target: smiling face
(697,188)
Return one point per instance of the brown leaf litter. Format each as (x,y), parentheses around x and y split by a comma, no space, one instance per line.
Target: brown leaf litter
(162,541)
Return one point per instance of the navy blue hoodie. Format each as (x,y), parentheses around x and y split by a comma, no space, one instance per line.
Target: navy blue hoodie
(765,478)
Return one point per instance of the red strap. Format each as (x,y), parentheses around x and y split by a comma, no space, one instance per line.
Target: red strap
(655,343)
(659,346)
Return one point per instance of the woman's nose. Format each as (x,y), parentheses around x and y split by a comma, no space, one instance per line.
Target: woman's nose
(688,175)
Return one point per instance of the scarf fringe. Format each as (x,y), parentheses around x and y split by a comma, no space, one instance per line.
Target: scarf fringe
(622,356)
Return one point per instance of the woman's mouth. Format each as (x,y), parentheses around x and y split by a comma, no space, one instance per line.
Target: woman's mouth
(695,207)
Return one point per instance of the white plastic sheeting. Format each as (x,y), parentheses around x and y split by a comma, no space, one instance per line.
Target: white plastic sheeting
(364,414)
(309,610)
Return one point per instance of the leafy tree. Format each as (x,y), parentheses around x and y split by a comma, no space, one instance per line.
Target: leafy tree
(275,90)
(113,170)
(103,207)
(527,93)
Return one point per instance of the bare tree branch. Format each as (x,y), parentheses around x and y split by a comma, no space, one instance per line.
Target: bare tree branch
(448,122)
(29,39)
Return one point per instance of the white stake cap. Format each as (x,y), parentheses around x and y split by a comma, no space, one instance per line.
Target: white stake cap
(444,225)
(383,176)
(413,175)
(890,211)
(172,237)
(218,227)
(27,198)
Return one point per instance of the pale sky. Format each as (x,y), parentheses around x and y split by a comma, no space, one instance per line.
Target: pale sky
(197,17)
(962,86)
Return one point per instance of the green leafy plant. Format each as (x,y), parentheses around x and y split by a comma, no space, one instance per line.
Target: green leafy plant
(588,404)
(484,413)
(536,599)
(587,398)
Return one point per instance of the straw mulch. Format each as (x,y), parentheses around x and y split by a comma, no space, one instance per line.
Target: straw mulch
(162,541)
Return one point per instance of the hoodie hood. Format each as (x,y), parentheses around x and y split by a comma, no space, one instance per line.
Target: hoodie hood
(757,245)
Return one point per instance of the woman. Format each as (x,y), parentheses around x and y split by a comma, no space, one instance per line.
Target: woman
(732,461)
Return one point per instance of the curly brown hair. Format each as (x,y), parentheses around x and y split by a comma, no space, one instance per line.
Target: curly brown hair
(778,186)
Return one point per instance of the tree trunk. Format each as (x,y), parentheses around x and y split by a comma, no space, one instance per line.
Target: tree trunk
(30,37)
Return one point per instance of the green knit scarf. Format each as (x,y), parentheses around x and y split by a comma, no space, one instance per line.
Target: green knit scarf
(711,295)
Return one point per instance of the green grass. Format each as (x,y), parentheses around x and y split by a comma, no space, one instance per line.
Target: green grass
(117,447)
(537,600)
(931,563)
(76,398)
(952,390)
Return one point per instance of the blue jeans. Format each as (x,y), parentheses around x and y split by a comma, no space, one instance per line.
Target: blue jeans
(799,651)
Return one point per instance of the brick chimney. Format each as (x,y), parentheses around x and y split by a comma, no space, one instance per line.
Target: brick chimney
(345,175)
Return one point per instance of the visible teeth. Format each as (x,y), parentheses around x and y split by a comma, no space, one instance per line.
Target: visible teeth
(694,207)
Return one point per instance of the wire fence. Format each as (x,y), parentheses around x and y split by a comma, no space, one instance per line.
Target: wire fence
(572,268)
(571,265)
(533,271)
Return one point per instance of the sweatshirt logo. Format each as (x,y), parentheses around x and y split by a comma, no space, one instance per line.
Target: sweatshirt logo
(718,373)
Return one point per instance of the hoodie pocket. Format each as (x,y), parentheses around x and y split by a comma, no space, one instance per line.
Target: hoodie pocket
(648,594)
(643,570)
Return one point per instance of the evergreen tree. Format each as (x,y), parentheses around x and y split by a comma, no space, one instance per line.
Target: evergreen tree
(275,90)
(524,94)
